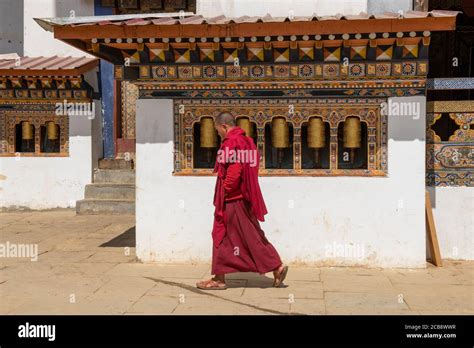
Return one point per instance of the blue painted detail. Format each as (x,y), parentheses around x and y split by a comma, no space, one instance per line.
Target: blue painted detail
(106,89)
(451,83)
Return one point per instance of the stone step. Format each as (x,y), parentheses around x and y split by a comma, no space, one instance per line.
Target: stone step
(110,191)
(115,163)
(105,206)
(114,176)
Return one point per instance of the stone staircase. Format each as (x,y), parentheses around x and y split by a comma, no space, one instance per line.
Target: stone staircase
(112,190)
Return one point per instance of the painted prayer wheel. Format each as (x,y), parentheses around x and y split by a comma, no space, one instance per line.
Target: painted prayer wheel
(280,133)
(52,130)
(26,131)
(246,125)
(208,133)
(316,135)
(352,138)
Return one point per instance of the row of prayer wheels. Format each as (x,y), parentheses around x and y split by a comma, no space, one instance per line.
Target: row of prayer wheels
(280,132)
(27,130)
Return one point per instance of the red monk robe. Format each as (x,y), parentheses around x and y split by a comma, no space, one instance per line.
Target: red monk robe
(239,244)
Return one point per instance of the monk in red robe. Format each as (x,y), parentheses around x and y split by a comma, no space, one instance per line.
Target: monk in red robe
(239,244)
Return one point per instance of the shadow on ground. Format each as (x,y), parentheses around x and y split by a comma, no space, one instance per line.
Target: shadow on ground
(126,239)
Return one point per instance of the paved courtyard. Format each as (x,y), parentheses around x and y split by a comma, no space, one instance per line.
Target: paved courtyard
(87,265)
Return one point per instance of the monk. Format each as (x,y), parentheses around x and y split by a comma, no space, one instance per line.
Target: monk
(239,244)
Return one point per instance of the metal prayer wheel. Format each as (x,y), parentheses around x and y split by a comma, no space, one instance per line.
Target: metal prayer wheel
(246,125)
(208,133)
(316,137)
(52,130)
(280,133)
(352,133)
(316,134)
(26,130)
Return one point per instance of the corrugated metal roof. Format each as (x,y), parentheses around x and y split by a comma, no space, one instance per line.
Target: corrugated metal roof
(187,19)
(23,65)
(46,63)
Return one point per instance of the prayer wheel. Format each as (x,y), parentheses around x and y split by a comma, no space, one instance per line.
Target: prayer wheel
(316,137)
(52,130)
(246,125)
(351,135)
(26,130)
(280,133)
(208,133)
(280,137)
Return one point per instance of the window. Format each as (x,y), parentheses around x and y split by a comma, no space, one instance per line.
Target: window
(306,137)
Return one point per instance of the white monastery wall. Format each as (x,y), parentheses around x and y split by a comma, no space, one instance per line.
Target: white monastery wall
(453,212)
(379,221)
(55,182)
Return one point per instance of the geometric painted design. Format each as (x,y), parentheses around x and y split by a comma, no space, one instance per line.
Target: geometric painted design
(358,52)
(233,71)
(132,56)
(46,83)
(382,69)
(384,52)
(31,83)
(60,83)
(182,55)
(332,54)
(206,55)
(306,70)
(255,54)
(75,82)
(306,53)
(356,70)
(210,71)
(281,54)
(159,72)
(410,51)
(257,71)
(331,70)
(230,54)
(185,72)
(409,68)
(282,71)
(157,55)
(16,82)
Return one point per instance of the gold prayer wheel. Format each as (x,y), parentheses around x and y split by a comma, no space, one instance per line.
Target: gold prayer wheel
(351,133)
(316,134)
(52,130)
(26,130)
(208,133)
(246,125)
(280,133)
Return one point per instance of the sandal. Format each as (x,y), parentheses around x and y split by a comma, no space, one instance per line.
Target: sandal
(211,284)
(281,277)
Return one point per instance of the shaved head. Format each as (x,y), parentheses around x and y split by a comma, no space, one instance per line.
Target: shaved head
(225,118)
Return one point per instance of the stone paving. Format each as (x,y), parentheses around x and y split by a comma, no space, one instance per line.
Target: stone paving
(87,265)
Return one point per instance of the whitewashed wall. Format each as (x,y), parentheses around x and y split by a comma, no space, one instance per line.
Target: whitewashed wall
(453,212)
(55,182)
(380,220)
(236,8)
(37,41)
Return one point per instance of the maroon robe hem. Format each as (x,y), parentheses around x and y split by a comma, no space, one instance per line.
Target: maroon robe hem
(244,248)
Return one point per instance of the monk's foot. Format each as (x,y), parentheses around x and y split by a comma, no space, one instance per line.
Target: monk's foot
(211,284)
(279,274)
